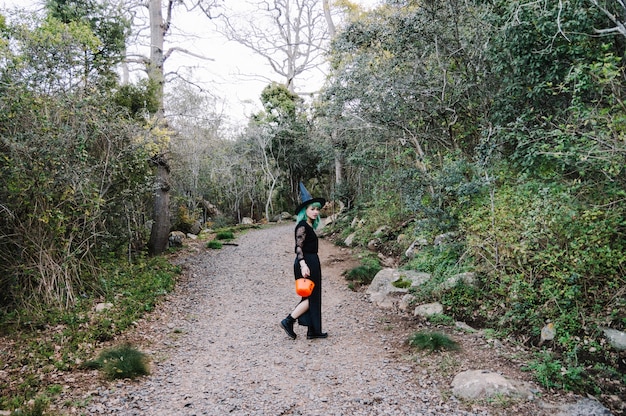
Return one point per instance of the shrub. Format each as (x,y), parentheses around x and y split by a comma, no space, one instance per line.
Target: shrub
(365,273)
(214,244)
(224,235)
(121,362)
(433,341)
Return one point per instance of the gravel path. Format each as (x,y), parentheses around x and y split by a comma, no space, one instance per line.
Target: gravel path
(220,349)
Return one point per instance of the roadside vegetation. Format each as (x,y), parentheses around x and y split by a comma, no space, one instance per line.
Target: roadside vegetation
(497,125)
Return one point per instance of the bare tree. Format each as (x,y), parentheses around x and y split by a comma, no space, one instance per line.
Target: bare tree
(291,35)
(618,21)
(159,23)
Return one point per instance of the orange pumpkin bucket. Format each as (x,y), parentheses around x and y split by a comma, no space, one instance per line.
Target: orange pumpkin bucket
(304,287)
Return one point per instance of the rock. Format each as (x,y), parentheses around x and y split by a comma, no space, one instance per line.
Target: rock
(196,227)
(192,236)
(428,309)
(469,278)
(464,327)
(616,338)
(584,407)
(283,216)
(386,261)
(176,239)
(356,222)
(383,293)
(380,231)
(247,221)
(350,239)
(415,247)
(484,384)
(444,238)
(101,307)
(405,302)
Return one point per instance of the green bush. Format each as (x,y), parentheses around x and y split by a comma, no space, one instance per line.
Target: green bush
(549,251)
(551,372)
(225,235)
(62,337)
(214,244)
(121,362)
(365,273)
(433,341)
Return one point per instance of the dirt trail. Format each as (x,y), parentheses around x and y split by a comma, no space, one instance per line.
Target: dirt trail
(217,348)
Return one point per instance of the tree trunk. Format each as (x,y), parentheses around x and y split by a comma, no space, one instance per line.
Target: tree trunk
(160,232)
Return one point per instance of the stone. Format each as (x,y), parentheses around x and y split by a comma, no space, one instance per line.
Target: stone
(616,338)
(176,239)
(428,309)
(196,227)
(415,247)
(584,407)
(101,307)
(383,293)
(405,302)
(247,221)
(350,240)
(380,231)
(484,384)
(444,238)
(469,278)
(464,327)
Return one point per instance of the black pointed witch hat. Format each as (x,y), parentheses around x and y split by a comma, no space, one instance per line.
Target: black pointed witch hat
(307,199)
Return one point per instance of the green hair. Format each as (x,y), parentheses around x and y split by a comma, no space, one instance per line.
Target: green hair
(302,214)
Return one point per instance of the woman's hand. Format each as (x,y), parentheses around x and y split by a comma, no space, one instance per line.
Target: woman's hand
(304,269)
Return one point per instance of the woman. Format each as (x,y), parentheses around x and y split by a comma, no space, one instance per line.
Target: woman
(307,264)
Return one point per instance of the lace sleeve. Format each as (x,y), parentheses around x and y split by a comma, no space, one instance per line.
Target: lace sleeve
(300,236)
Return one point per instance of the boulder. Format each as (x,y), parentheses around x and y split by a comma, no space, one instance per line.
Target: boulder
(350,239)
(385,294)
(485,384)
(196,227)
(101,307)
(469,278)
(405,302)
(247,221)
(444,238)
(415,247)
(428,309)
(584,407)
(176,239)
(283,216)
(616,338)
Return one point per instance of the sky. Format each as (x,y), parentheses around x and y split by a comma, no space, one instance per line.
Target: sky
(233,73)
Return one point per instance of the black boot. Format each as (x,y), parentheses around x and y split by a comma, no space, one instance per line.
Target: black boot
(287,325)
(312,335)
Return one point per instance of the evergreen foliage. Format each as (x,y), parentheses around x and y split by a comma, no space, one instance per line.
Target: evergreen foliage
(498,123)
(433,341)
(124,361)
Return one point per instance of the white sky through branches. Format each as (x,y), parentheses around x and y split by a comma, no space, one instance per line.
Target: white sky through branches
(234,74)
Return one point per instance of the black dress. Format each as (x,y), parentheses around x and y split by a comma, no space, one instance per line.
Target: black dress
(306,248)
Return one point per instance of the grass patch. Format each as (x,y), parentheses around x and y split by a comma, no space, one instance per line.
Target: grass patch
(402,283)
(441,319)
(365,273)
(120,362)
(214,244)
(224,235)
(47,339)
(433,341)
